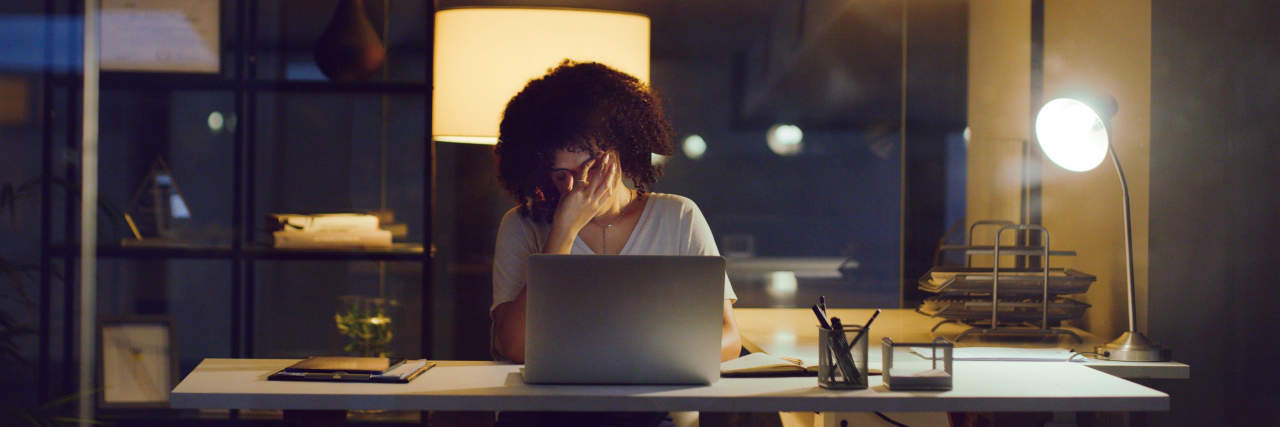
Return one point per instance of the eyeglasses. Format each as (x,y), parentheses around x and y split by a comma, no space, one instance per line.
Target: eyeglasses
(562,175)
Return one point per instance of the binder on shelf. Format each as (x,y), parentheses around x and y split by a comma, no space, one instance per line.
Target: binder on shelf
(364,239)
(328,231)
(333,222)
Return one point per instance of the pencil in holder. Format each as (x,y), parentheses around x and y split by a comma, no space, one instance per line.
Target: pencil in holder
(917,365)
(842,358)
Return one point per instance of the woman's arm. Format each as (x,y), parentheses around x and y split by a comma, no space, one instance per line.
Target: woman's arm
(508,317)
(573,213)
(508,327)
(701,242)
(730,341)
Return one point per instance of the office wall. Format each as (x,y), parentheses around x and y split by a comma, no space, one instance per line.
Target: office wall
(1197,89)
(1099,45)
(1103,46)
(1215,199)
(999,106)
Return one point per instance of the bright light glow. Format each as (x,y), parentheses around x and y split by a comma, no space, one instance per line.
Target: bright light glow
(216,121)
(783,340)
(967,134)
(782,286)
(178,207)
(484,55)
(484,140)
(657,159)
(785,140)
(694,147)
(1071,134)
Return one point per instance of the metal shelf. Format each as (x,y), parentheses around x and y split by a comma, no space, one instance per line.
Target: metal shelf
(401,252)
(1023,309)
(238,79)
(201,82)
(171,252)
(1005,250)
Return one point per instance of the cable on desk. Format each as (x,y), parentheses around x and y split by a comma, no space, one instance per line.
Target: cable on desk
(1086,354)
(890,420)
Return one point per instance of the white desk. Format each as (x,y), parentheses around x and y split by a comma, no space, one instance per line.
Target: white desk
(479,386)
(793,332)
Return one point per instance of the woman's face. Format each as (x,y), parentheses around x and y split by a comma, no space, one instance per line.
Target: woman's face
(568,170)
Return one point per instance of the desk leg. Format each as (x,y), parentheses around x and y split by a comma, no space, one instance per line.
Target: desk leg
(325,418)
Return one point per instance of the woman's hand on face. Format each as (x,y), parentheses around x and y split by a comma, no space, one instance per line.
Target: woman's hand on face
(587,199)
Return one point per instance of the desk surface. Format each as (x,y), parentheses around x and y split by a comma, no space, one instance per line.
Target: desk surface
(482,386)
(794,332)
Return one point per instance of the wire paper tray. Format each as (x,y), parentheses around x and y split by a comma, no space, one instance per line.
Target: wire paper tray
(961,281)
(978,309)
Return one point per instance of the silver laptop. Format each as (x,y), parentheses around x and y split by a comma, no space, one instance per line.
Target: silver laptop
(595,319)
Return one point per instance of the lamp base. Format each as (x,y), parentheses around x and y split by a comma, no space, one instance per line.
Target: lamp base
(1132,347)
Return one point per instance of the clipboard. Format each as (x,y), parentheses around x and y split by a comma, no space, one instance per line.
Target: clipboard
(402,373)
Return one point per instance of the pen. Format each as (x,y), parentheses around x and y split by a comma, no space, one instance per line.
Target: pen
(822,304)
(847,367)
(866,327)
(822,320)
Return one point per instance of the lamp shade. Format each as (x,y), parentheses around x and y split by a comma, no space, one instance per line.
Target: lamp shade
(484,55)
(1072,134)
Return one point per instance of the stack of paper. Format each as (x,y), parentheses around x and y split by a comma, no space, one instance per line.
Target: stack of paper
(1012,354)
(328,231)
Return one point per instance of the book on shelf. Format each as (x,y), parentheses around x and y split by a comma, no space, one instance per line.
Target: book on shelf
(329,222)
(328,231)
(355,239)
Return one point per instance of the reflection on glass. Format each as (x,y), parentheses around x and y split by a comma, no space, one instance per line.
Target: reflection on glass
(216,121)
(782,288)
(366,323)
(694,147)
(657,159)
(785,140)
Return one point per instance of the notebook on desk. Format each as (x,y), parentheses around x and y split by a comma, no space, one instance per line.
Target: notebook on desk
(767,365)
(353,369)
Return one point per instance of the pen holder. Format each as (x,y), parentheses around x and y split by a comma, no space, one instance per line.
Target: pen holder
(916,365)
(842,363)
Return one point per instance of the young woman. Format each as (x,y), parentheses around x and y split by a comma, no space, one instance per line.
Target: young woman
(568,144)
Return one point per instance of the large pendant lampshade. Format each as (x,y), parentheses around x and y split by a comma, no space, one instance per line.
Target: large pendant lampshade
(484,55)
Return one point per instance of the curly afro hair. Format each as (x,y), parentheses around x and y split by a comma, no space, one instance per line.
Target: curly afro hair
(578,106)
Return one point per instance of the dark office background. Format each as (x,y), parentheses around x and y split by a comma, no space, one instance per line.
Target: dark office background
(716,65)
(1213,184)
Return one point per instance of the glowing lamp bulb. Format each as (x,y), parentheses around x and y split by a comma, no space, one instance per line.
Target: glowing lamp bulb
(1072,134)
(785,140)
(694,147)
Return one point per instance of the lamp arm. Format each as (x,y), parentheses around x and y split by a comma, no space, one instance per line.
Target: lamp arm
(1128,240)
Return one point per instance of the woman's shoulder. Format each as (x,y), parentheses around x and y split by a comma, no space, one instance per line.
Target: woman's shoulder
(513,220)
(672,204)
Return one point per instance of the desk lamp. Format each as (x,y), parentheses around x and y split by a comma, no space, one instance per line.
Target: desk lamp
(1074,134)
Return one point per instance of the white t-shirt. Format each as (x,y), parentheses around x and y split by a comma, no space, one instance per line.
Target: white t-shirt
(669,225)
